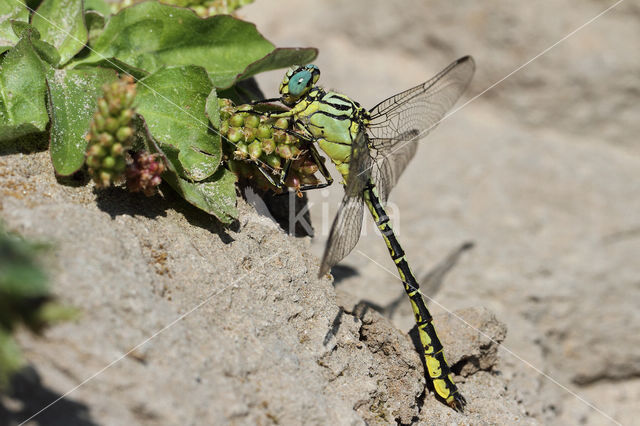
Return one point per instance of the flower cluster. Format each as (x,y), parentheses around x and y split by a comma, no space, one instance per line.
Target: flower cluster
(144,172)
(261,141)
(111,132)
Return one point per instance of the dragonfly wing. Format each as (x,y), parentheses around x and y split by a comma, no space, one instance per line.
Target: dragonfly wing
(397,123)
(345,231)
(389,165)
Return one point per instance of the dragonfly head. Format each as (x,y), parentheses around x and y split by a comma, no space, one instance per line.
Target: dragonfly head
(297,82)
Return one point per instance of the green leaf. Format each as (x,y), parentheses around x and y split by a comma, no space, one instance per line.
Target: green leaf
(212,109)
(95,24)
(11,10)
(73,96)
(117,65)
(98,5)
(216,195)
(19,27)
(52,312)
(151,35)
(172,102)
(47,52)
(22,92)
(280,58)
(19,274)
(10,358)
(61,23)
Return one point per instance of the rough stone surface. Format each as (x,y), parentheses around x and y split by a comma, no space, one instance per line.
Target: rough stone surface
(186,322)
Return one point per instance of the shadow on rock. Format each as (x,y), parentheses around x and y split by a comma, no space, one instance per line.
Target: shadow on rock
(117,201)
(28,144)
(288,210)
(342,272)
(197,217)
(77,179)
(28,396)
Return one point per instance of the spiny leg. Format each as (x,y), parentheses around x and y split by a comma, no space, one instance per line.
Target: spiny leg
(305,136)
(268,177)
(438,370)
(317,159)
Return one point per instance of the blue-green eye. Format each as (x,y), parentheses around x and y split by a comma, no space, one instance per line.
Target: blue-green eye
(298,82)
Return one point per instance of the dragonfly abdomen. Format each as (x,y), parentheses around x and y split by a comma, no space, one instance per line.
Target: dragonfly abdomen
(436,364)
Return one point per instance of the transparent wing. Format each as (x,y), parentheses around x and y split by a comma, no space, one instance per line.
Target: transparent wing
(345,231)
(397,123)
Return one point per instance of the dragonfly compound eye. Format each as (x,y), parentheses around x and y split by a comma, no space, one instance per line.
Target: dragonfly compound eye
(299,82)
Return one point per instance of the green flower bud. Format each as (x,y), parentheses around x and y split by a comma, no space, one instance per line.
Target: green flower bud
(282,123)
(110,131)
(224,102)
(279,136)
(273,160)
(295,151)
(225,113)
(108,162)
(252,121)
(115,106)
(264,131)
(241,151)
(268,146)
(308,169)
(116,149)
(309,180)
(284,151)
(99,122)
(96,151)
(112,125)
(200,10)
(236,120)
(130,95)
(235,135)
(103,107)
(249,134)
(255,150)
(93,161)
(290,139)
(126,116)
(224,127)
(105,139)
(124,133)
(245,107)
(105,178)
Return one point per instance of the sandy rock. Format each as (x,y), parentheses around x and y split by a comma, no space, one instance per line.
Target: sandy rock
(185,321)
(472,337)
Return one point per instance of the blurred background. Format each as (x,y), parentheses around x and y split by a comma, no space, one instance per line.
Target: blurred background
(541,173)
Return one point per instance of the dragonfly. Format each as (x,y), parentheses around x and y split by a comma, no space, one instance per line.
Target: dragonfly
(371,149)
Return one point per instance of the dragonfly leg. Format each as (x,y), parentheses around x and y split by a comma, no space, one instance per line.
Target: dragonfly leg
(285,172)
(437,369)
(317,159)
(265,101)
(267,175)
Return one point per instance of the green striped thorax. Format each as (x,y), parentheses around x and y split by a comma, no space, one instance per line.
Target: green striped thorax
(332,119)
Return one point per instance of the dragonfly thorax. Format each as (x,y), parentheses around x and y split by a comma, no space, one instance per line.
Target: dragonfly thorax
(297,82)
